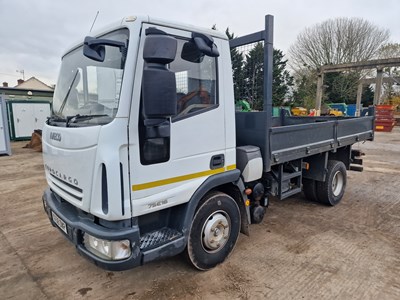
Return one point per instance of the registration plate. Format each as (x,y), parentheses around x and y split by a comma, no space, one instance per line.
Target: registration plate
(60,223)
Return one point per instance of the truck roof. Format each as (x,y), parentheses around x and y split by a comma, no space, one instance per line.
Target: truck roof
(188,27)
(128,22)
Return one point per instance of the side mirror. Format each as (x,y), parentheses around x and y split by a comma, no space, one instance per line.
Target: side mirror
(159,48)
(158,93)
(205,44)
(95,49)
(191,53)
(159,84)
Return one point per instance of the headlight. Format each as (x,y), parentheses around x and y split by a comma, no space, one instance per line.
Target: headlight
(111,250)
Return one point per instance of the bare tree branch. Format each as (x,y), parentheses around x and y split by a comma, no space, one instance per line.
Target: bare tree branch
(336,41)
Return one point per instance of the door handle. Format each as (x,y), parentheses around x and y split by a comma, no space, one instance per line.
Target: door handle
(217,161)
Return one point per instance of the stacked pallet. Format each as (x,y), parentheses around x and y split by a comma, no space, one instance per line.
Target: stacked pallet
(384,120)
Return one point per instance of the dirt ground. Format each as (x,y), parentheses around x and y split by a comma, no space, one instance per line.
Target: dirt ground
(302,250)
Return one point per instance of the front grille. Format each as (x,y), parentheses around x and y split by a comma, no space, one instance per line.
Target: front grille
(158,237)
(65,187)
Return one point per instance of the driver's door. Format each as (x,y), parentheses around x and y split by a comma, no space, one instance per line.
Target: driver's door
(196,147)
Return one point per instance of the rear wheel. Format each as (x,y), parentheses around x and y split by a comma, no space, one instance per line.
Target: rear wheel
(332,190)
(214,231)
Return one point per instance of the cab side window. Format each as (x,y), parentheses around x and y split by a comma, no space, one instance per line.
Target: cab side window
(196,77)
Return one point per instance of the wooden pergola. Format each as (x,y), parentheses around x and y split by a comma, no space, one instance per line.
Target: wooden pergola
(378,64)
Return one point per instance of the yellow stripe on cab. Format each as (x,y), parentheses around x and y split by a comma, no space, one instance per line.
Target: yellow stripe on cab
(157,183)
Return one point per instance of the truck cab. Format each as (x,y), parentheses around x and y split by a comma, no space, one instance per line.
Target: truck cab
(142,128)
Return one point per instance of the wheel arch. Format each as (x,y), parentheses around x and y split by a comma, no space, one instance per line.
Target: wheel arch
(318,163)
(214,231)
(233,190)
(227,183)
(342,154)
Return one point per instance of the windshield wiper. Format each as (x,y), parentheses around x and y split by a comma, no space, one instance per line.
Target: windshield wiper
(68,92)
(55,118)
(78,117)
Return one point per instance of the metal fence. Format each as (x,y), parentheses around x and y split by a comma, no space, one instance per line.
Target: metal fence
(248,73)
(252,57)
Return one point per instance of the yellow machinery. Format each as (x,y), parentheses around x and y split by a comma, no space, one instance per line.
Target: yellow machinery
(335,112)
(299,111)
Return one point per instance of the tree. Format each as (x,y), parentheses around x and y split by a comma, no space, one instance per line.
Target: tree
(341,87)
(389,50)
(253,70)
(337,41)
(237,66)
(306,85)
(367,97)
(391,89)
(248,74)
(282,80)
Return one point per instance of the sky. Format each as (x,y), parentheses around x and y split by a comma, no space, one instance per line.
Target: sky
(35,33)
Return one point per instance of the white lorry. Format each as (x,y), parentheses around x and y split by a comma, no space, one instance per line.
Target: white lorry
(146,157)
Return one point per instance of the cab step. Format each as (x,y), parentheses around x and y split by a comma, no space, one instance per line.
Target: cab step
(159,237)
(289,178)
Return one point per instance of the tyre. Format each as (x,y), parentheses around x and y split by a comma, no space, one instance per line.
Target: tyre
(310,189)
(332,190)
(214,231)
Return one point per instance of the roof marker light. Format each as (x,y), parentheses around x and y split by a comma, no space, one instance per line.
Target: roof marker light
(130,19)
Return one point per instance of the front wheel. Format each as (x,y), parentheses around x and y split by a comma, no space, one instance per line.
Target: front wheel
(332,190)
(214,231)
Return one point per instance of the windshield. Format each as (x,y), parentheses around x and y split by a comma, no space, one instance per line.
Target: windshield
(89,88)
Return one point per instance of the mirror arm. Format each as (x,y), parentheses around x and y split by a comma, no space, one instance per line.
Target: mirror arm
(206,44)
(93,42)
